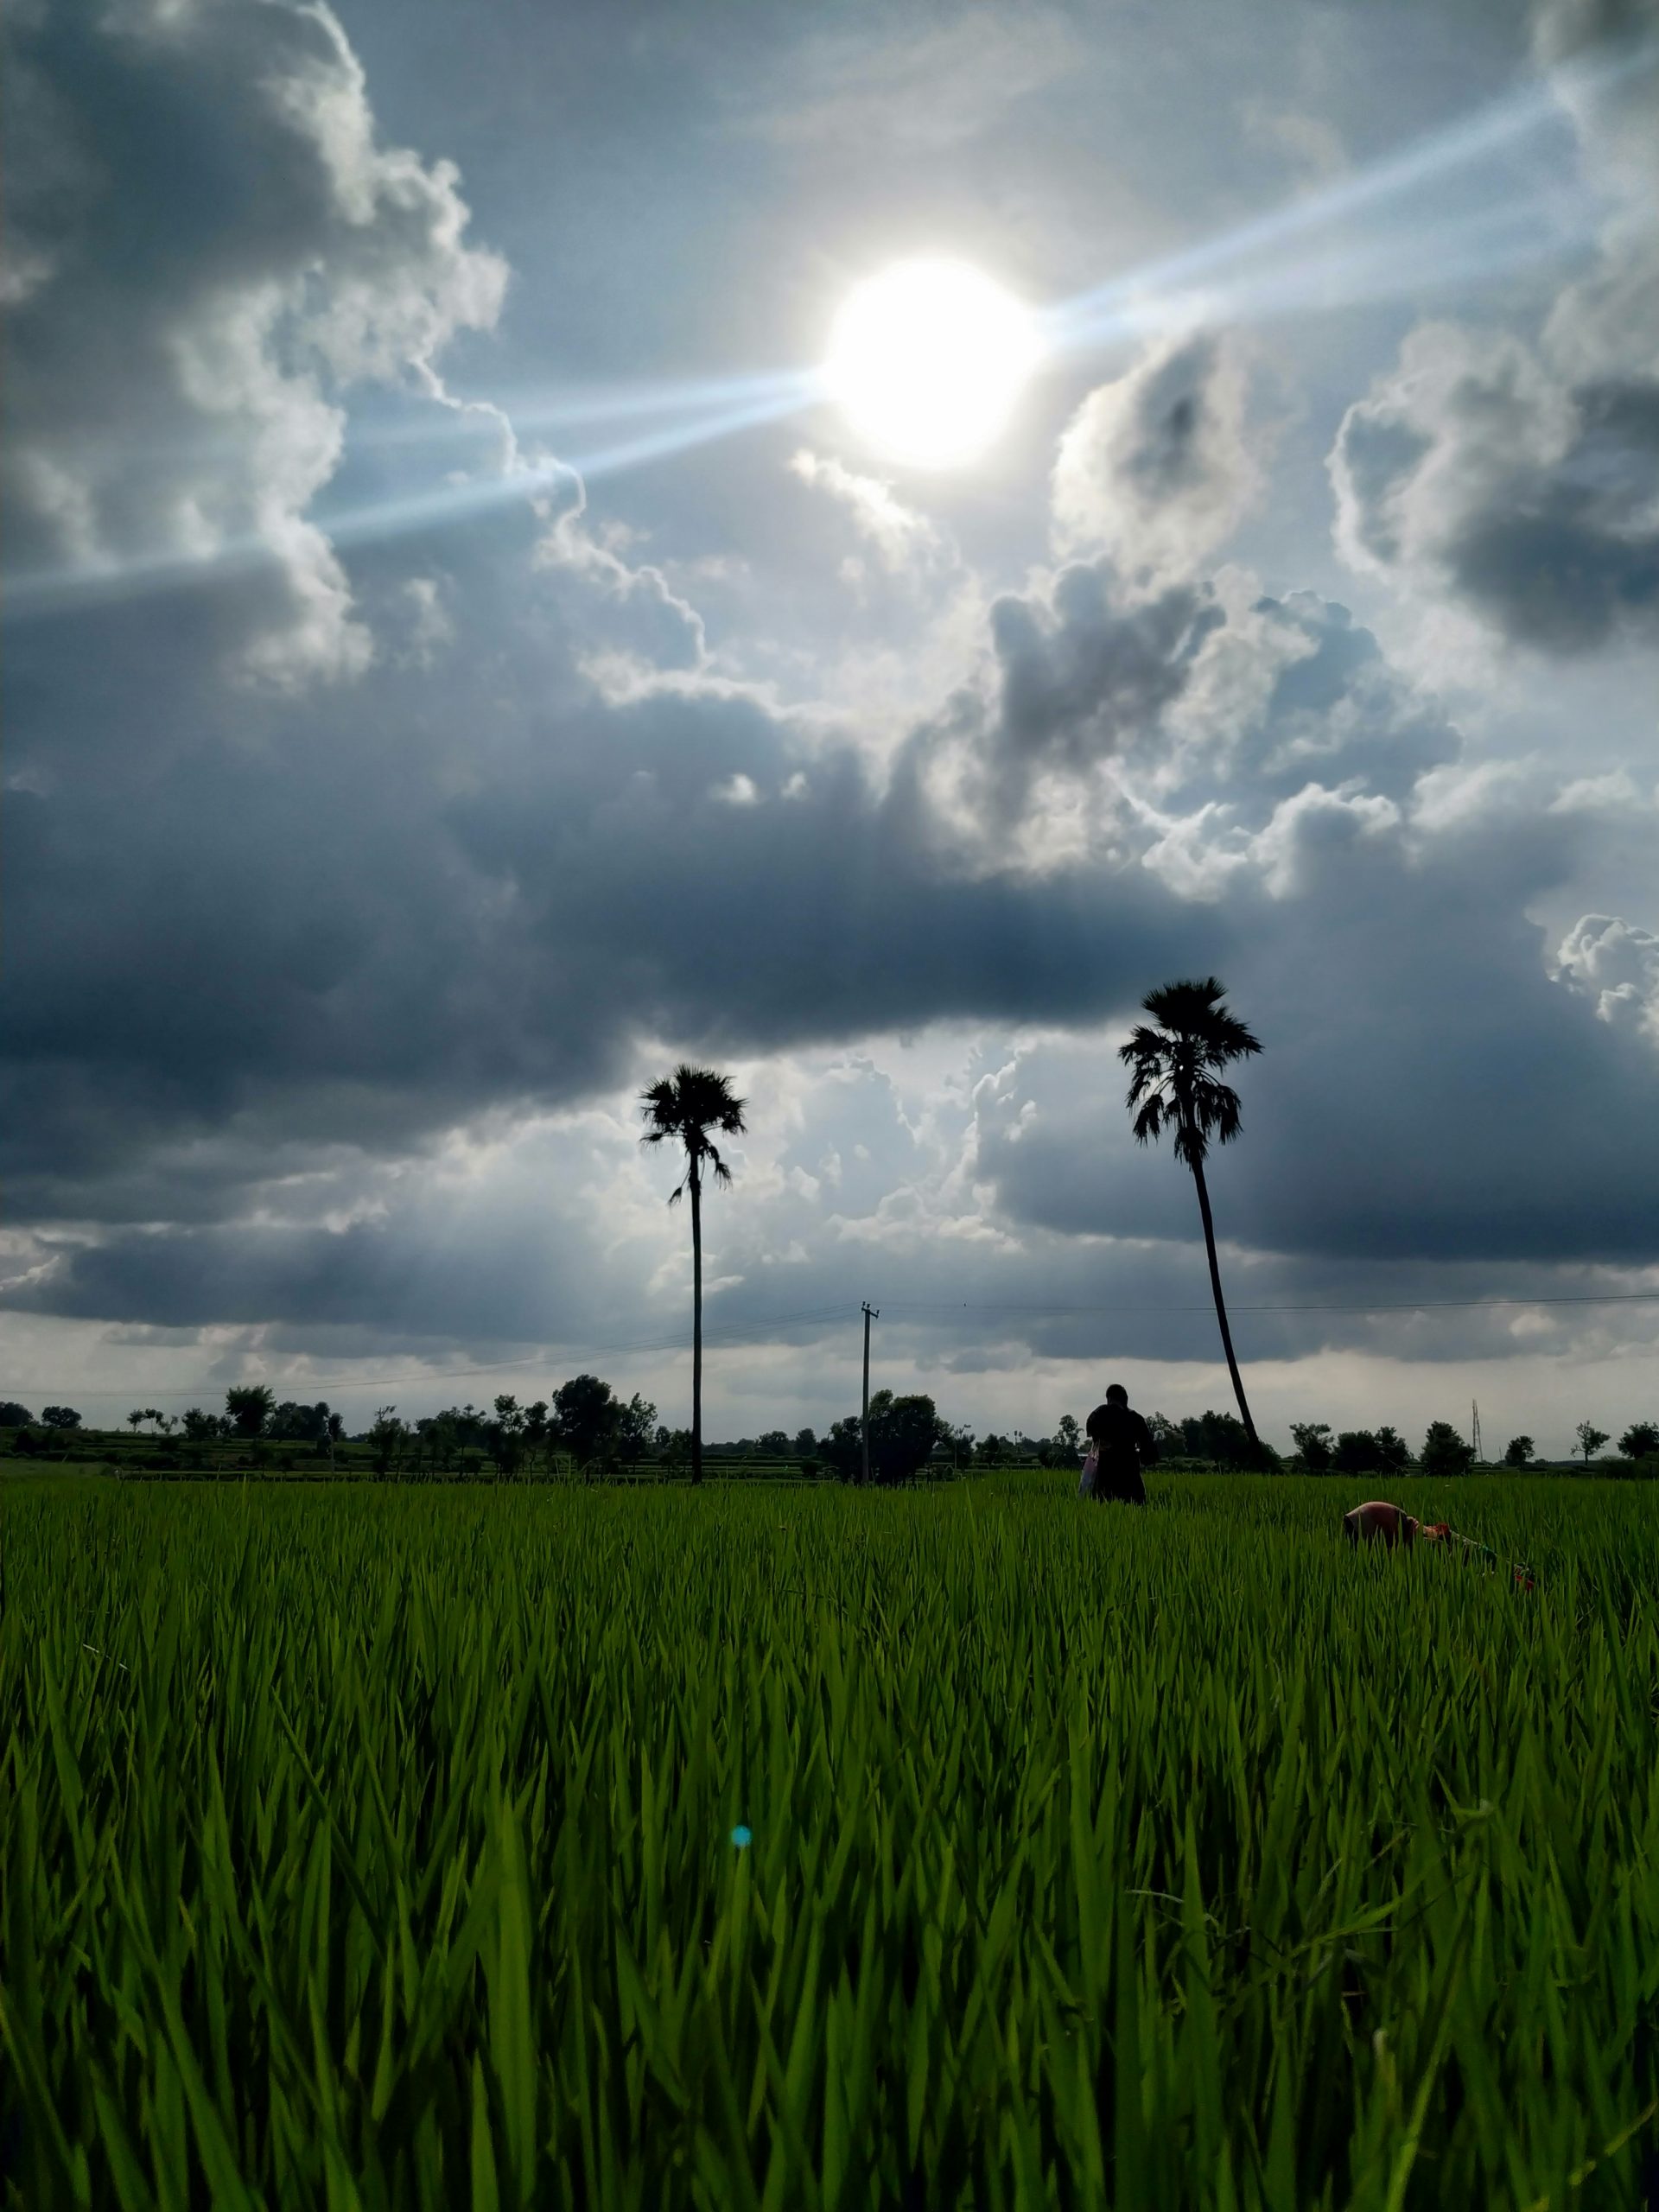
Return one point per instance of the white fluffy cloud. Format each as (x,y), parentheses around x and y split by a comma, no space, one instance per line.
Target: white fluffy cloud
(1155,469)
(903,541)
(178,359)
(1617,965)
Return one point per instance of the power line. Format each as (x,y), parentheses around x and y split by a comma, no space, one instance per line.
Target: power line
(1314,1305)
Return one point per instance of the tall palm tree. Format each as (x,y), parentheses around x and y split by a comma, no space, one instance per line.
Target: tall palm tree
(1173,1084)
(682,1109)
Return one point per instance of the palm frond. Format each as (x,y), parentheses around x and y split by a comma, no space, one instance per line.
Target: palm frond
(1173,1082)
(683,1108)
(1194,1011)
(1150,1121)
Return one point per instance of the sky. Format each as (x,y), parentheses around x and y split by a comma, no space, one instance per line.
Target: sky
(460,660)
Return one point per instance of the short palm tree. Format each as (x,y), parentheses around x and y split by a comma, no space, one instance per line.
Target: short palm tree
(682,1108)
(1173,1084)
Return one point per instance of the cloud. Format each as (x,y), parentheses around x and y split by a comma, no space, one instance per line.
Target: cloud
(1079,671)
(1174,696)
(1156,470)
(217,249)
(330,1006)
(906,543)
(1480,469)
(922,92)
(1428,1094)
(1617,965)
(1520,477)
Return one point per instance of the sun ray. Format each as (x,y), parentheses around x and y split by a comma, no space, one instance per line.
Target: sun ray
(1276,264)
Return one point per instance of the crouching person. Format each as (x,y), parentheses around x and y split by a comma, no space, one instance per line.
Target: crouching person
(1378,1523)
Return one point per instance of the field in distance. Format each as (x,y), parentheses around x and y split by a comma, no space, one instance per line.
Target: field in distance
(439,1847)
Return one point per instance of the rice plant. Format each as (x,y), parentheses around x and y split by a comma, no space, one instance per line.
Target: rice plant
(390,1848)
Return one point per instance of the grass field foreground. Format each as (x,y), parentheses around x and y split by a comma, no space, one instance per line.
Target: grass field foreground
(409,1848)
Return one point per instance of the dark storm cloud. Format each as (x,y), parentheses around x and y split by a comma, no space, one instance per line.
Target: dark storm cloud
(365,920)
(1523,478)
(457,1275)
(1426,1092)
(1079,677)
(1527,494)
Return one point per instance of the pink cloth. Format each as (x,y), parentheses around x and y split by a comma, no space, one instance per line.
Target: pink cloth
(1378,1521)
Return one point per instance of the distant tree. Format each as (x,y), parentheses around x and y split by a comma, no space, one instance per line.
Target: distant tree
(293,1423)
(439,1437)
(634,1424)
(903,1432)
(386,1437)
(1223,1441)
(1639,1441)
(774,1444)
(60,1417)
(1313,1440)
(1355,1452)
(248,1408)
(587,1419)
(992,1451)
(1167,1435)
(682,1108)
(805,1444)
(1519,1451)
(1173,1084)
(1590,1439)
(841,1448)
(199,1426)
(135,1418)
(12,1416)
(1444,1452)
(1392,1453)
(503,1436)
(536,1428)
(1065,1447)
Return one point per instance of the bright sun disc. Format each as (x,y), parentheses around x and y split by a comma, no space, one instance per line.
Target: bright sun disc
(927,360)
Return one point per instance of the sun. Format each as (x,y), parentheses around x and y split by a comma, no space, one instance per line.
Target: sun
(927,360)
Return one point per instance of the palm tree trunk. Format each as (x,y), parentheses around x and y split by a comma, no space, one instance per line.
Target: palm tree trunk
(1220,1305)
(697,1323)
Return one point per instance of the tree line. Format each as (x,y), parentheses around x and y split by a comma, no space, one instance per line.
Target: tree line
(588,1426)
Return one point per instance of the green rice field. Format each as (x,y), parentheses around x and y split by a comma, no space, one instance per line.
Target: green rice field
(395,1847)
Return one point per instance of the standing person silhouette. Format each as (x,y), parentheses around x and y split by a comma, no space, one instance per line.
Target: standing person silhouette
(1123,1447)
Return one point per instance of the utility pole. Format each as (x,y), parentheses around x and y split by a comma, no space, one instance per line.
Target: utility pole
(871,1314)
(1474,1423)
